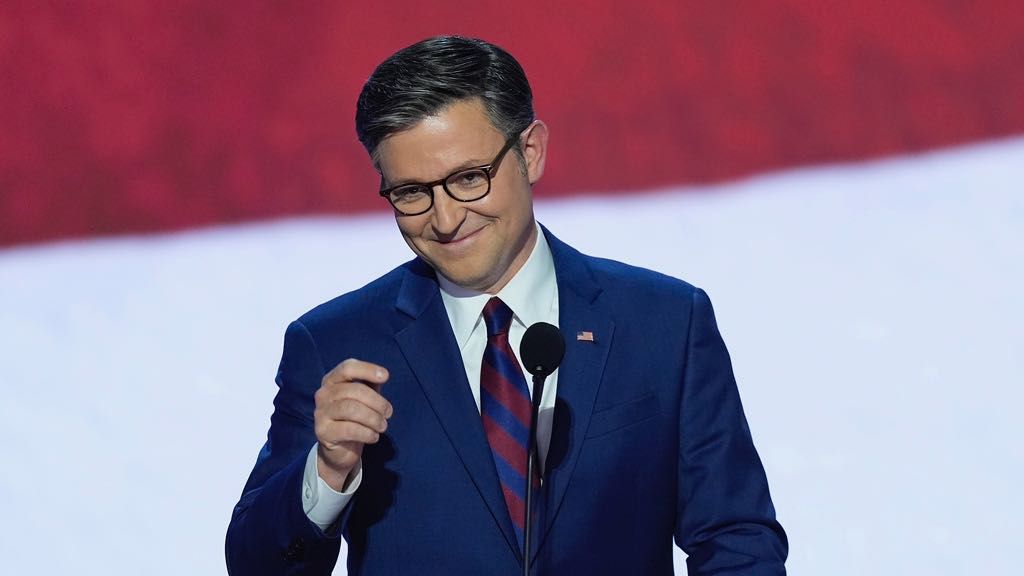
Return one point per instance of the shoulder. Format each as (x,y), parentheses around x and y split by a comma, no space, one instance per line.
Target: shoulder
(619,278)
(364,305)
(643,302)
(651,298)
(618,281)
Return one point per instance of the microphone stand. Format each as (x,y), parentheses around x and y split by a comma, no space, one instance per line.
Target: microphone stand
(532,464)
(542,350)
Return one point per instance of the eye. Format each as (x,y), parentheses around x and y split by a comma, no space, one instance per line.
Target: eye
(410,193)
(468,179)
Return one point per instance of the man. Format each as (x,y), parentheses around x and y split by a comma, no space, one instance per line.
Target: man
(398,424)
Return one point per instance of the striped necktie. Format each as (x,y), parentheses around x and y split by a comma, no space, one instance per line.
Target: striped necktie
(506,411)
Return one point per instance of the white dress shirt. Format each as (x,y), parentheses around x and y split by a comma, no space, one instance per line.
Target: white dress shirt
(532,295)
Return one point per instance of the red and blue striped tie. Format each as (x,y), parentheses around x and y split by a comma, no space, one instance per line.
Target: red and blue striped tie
(506,411)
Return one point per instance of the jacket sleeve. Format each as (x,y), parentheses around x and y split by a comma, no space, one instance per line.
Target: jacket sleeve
(725,519)
(269,531)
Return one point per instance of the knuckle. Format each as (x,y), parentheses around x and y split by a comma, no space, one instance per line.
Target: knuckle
(359,433)
(320,429)
(349,431)
(347,410)
(334,374)
(347,366)
(329,378)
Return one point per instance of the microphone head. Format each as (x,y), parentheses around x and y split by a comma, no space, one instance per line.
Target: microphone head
(542,349)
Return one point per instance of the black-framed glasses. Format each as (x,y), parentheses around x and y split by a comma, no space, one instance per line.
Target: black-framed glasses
(466,185)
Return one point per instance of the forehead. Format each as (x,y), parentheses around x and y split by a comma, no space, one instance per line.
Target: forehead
(458,136)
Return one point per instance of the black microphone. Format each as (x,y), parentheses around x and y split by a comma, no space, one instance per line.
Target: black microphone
(541,351)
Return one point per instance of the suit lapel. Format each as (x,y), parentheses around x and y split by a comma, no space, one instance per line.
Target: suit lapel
(579,376)
(429,347)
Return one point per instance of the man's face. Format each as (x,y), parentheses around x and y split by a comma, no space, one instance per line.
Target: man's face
(481,244)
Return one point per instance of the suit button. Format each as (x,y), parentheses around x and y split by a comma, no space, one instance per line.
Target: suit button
(296,550)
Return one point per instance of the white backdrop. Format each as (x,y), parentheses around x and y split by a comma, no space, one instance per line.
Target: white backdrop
(874,313)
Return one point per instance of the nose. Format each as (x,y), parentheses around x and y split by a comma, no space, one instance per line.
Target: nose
(448,213)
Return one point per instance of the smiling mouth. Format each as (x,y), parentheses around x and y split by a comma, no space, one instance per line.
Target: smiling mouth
(457,241)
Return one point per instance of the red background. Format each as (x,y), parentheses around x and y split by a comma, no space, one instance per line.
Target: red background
(132,117)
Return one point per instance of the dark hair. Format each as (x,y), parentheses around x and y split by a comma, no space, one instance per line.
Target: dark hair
(421,80)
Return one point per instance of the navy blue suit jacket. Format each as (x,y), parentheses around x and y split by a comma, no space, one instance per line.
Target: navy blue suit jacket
(650,443)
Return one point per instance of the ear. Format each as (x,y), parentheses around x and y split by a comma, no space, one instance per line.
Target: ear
(535,149)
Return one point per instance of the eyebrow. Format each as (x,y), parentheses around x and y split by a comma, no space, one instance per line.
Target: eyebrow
(403,181)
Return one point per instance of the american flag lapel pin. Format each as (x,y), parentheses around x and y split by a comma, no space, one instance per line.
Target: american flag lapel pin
(584,336)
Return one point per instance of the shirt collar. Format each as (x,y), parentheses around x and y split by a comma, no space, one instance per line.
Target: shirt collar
(530,294)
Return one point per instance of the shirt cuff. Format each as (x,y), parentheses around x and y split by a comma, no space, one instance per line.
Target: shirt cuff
(321,503)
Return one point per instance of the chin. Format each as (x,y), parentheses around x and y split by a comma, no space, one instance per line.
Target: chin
(481,279)
(467,272)
(466,280)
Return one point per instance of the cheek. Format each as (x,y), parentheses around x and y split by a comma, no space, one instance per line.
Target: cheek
(412,234)
(511,203)
(517,207)
(411,227)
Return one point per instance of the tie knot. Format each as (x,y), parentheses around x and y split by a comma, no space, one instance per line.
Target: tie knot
(497,316)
